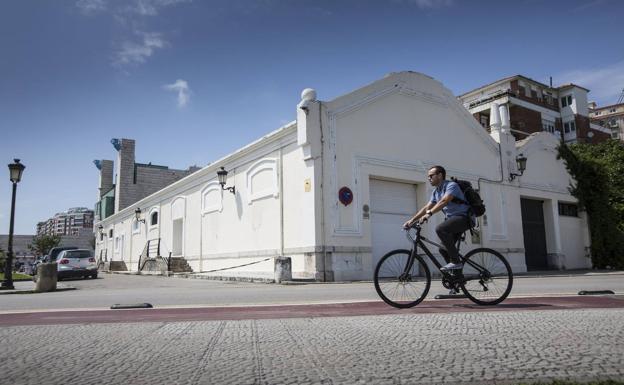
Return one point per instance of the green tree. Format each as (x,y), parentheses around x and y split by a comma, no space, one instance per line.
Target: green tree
(2,260)
(599,187)
(42,244)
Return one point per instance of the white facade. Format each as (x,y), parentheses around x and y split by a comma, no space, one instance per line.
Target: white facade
(379,141)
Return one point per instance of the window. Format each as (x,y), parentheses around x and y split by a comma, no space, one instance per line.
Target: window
(572,126)
(568,209)
(548,126)
(484,120)
(154,218)
(110,233)
(566,101)
(612,110)
(566,127)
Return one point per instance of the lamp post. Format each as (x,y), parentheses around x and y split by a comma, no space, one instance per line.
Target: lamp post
(15,170)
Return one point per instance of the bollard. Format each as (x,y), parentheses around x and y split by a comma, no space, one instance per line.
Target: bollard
(46,277)
(283,269)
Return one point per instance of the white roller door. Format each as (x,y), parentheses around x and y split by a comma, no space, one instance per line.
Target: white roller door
(391,204)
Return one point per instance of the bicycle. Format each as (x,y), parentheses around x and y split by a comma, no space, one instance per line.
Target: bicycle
(402,278)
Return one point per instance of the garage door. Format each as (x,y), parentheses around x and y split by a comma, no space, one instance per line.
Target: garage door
(391,204)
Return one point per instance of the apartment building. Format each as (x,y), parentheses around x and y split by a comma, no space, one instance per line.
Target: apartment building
(534,107)
(69,222)
(610,117)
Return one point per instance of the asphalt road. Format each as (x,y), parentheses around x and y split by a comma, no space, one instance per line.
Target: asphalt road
(112,289)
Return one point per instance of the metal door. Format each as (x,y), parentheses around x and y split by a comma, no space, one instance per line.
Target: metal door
(391,204)
(534,234)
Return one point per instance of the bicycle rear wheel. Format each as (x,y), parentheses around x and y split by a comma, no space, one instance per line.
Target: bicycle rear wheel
(398,287)
(487,277)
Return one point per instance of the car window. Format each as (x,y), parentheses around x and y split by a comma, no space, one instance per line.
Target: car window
(78,254)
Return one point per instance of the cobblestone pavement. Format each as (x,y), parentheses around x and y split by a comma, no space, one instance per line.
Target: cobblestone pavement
(488,347)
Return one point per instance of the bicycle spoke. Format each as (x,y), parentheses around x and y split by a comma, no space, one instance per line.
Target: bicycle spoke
(491,281)
(398,287)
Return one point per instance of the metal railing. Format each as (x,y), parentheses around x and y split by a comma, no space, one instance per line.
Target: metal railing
(152,251)
(102,258)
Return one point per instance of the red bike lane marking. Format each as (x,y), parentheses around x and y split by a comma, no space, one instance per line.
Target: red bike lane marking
(301,311)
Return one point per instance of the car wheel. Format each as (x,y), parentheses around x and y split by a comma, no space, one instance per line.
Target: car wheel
(94,276)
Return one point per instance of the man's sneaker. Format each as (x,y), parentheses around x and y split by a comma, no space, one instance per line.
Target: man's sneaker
(452,266)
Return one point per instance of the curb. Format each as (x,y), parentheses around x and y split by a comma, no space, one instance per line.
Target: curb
(7,292)
(304,281)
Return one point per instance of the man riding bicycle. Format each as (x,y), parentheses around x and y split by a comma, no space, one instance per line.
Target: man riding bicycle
(449,198)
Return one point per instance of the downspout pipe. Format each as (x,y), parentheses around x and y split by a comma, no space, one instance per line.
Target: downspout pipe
(323,237)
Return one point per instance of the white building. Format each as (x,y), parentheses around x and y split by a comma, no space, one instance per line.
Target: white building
(378,142)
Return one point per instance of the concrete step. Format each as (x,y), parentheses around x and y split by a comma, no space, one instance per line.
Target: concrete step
(179,265)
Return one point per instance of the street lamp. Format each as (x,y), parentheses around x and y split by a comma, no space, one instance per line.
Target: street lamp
(15,172)
(222,175)
(520,164)
(137,215)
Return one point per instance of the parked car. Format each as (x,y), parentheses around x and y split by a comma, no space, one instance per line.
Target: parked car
(52,254)
(76,263)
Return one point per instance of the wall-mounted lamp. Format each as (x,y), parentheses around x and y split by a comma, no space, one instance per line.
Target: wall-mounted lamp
(137,215)
(521,165)
(222,175)
(101,232)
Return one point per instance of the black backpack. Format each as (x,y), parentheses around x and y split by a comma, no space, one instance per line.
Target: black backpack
(473,199)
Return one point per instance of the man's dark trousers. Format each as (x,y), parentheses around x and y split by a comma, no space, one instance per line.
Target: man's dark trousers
(449,232)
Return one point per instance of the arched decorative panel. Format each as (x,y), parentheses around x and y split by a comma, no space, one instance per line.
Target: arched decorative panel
(262,180)
(212,198)
(178,207)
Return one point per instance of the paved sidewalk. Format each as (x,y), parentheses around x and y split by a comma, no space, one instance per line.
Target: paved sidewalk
(465,348)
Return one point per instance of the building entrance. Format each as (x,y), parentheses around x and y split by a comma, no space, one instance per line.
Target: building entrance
(534,233)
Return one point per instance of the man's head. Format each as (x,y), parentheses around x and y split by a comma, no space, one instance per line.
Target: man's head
(436,175)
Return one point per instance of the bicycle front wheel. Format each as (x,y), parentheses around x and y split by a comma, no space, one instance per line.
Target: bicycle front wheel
(487,277)
(398,284)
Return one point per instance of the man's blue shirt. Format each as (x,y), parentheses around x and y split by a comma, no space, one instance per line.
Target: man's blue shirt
(452,209)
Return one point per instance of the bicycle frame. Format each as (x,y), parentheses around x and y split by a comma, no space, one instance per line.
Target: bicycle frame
(419,241)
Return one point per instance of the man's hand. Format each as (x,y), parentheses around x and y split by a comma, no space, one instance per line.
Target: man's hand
(408,224)
(425,217)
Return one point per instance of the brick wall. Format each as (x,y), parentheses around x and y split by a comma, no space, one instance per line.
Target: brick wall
(151,179)
(524,119)
(125,188)
(582,129)
(106,176)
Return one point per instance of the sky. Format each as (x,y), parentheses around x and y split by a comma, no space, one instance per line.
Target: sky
(192,81)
